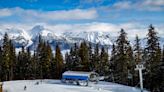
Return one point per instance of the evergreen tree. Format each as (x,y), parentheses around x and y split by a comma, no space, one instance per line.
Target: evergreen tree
(153,57)
(48,59)
(137,51)
(27,63)
(96,51)
(44,57)
(45,60)
(59,62)
(30,64)
(16,74)
(104,63)
(123,61)
(0,63)
(23,65)
(91,60)
(84,56)
(35,66)
(12,60)
(20,65)
(39,55)
(6,58)
(73,61)
(53,68)
(162,72)
(130,65)
(67,59)
(96,58)
(112,63)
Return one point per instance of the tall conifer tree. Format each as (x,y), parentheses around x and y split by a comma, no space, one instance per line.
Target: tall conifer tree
(96,58)
(123,62)
(137,50)
(6,58)
(1,64)
(112,62)
(12,60)
(84,55)
(59,62)
(104,63)
(153,57)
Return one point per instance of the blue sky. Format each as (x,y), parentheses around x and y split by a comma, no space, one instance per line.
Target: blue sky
(84,12)
(48,5)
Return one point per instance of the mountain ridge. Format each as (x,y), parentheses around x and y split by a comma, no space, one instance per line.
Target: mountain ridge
(29,38)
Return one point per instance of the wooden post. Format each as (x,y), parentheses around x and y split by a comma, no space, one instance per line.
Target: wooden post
(1,89)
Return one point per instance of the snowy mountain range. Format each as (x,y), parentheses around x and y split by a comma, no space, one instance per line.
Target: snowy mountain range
(29,38)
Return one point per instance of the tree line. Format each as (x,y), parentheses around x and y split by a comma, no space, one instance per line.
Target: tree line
(41,64)
(119,66)
(125,57)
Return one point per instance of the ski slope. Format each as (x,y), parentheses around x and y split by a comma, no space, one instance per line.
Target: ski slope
(57,86)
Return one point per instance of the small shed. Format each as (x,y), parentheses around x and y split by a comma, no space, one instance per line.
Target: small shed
(80,76)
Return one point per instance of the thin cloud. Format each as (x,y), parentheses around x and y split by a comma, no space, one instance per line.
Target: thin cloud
(91,1)
(154,2)
(31,1)
(5,13)
(141,5)
(76,14)
(122,5)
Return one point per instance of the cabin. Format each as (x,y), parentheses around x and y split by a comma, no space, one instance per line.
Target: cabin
(80,77)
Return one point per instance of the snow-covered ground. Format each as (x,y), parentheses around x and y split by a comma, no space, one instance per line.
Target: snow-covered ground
(57,86)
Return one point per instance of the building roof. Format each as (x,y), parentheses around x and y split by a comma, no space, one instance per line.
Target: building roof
(78,73)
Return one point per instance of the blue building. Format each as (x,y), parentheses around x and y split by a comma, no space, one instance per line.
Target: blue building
(80,77)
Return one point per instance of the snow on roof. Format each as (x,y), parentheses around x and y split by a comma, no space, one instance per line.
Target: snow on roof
(78,73)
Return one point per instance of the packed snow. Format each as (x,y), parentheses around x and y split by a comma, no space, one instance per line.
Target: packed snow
(57,86)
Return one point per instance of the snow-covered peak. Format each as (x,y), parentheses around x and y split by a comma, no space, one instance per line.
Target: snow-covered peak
(39,30)
(94,37)
(29,38)
(15,33)
(46,33)
(20,37)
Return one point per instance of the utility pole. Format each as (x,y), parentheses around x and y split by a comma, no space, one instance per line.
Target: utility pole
(140,67)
